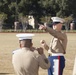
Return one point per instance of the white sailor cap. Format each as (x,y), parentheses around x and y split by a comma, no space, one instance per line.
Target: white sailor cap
(57,19)
(25,36)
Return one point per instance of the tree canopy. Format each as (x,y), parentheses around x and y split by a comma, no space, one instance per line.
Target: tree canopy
(37,8)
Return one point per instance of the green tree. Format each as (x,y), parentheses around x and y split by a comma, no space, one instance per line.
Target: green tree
(72,7)
(38,8)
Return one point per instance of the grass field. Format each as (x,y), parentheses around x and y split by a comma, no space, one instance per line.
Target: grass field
(9,42)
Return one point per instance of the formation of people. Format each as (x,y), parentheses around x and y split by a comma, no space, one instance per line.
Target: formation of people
(27,59)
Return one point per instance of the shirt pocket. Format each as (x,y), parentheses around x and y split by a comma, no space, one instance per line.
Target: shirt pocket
(54,43)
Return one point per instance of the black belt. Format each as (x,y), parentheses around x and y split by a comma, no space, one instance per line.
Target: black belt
(49,54)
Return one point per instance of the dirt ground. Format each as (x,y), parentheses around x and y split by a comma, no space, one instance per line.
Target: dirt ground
(9,42)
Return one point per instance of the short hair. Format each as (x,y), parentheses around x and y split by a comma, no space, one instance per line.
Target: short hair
(26,42)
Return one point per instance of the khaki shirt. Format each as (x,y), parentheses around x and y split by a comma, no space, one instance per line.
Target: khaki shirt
(27,62)
(58,43)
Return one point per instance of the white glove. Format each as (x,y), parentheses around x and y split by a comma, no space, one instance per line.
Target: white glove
(42,42)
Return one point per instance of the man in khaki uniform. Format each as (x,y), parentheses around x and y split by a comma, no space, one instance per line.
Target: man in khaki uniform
(25,60)
(57,47)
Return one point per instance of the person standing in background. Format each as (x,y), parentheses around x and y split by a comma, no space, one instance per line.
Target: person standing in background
(57,47)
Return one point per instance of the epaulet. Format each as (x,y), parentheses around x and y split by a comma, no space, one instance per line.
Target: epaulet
(14,51)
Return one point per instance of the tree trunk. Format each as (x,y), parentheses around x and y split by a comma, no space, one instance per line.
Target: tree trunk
(1,26)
